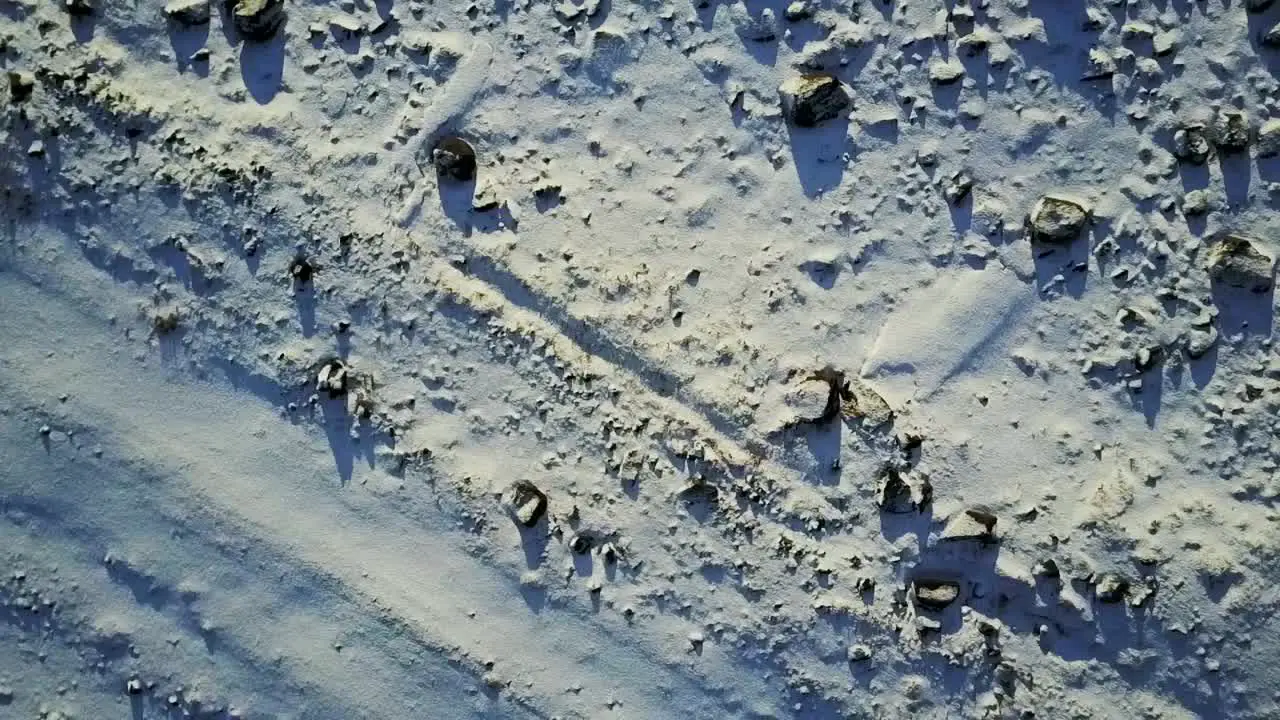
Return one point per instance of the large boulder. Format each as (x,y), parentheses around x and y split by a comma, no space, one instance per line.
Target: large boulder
(526,503)
(935,593)
(258,20)
(1236,261)
(188,12)
(814,98)
(1057,220)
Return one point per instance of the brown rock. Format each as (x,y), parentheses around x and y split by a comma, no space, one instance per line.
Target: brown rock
(455,158)
(1057,220)
(976,523)
(258,20)
(936,593)
(1236,261)
(814,98)
(526,502)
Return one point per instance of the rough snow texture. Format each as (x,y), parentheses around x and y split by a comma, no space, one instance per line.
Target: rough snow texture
(195,226)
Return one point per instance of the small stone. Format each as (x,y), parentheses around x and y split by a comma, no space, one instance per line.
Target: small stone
(334,378)
(859,400)
(580,544)
(1200,342)
(21,86)
(1141,594)
(166,320)
(301,271)
(696,639)
(1191,144)
(1236,261)
(1110,588)
(1269,138)
(1137,30)
(133,686)
(1101,65)
(1165,43)
(974,43)
(976,523)
(927,624)
(188,12)
(526,502)
(894,495)
(858,653)
(258,20)
(1271,37)
(1195,203)
(36,148)
(346,25)
(79,8)
(957,188)
(811,401)
(1231,130)
(798,11)
(454,158)
(812,99)
(1057,220)
(6,694)
(945,72)
(936,593)
(761,28)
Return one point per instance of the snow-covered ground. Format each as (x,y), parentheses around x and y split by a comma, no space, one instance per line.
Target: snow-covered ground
(957,404)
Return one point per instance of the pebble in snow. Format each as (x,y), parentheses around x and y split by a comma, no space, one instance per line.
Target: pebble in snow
(1190,144)
(1231,130)
(1269,138)
(455,158)
(1237,262)
(814,98)
(935,593)
(1057,220)
(894,495)
(21,85)
(860,401)
(258,20)
(811,401)
(858,653)
(188,12)
(526,502)
(1110,588)
(79,8)
(333,378)
(973,524)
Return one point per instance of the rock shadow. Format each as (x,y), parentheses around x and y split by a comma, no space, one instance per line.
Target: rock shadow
(820,155)
(262,67)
